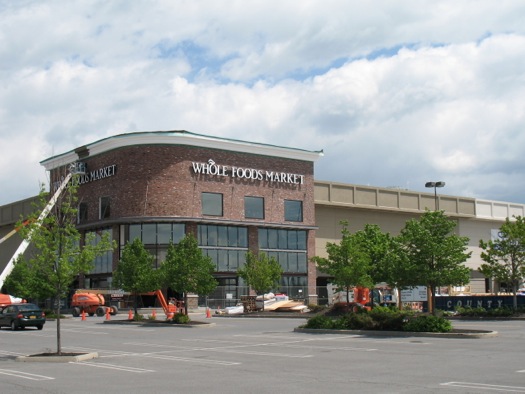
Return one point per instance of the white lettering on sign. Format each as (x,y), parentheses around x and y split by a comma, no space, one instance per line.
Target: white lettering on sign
(211,168)
(95,175)
(101,173)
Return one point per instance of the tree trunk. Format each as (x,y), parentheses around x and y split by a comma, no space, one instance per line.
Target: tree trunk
(135,303)
(59,340)
(430,299)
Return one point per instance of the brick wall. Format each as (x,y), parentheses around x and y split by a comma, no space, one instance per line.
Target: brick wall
(158,181)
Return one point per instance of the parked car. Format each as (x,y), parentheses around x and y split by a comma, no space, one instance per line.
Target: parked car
(21,316)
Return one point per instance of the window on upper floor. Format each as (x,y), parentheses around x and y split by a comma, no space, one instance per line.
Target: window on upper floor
(211,204)
(82,213)
(253,207)
(105,208)
(293,210)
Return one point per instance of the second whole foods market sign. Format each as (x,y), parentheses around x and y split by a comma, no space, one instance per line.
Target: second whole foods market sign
(214,169)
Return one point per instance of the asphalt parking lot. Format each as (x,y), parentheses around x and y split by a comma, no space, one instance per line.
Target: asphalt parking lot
(255,355)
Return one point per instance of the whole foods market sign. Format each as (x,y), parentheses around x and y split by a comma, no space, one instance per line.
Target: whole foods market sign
(214,169)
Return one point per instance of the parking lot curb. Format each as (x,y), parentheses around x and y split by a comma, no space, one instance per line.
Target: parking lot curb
(58,359)
(473,334)
(161,323)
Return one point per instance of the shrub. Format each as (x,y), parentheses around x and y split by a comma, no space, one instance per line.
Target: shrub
(469,311)
(181,318)
(320,322)
(389,318)
(427,323)
(316,308)
(482,312)
(138,317)
(356,321)
(503,311)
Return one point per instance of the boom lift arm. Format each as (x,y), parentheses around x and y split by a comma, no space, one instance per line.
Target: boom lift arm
(74,168)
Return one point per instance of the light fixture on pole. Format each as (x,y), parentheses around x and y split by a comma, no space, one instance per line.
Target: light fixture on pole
(435,185)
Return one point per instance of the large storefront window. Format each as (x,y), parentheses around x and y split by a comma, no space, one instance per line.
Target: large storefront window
(288,247)
(296,287)
(157,233)
(104,262)
(282,239)
(155,237)
(226,245)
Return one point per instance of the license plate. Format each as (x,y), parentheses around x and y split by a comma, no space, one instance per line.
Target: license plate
(32,317)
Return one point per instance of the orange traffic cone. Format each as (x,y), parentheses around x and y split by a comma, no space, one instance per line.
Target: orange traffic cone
(130,315)
(107,314)
(83,315)
(154,314)
(170,315)
(208,313)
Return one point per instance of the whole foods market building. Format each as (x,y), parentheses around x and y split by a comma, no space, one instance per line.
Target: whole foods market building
(236,196)
(233,196)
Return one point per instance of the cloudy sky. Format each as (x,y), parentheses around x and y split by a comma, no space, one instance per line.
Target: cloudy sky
(396,93)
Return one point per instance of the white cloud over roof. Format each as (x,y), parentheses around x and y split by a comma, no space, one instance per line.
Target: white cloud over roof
(395,93)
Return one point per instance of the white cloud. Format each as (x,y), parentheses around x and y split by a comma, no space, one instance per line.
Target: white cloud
(396,94)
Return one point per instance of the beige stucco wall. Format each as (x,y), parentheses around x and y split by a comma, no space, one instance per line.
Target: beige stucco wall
(391,208)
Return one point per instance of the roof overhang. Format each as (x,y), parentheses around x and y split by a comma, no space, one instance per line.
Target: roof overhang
(177,138)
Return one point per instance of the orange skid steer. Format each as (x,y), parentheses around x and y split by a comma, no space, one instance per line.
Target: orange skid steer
(91,303)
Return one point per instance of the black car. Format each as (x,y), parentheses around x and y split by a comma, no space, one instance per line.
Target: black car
(21,316)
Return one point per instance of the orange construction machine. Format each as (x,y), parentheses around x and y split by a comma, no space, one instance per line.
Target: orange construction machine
(91,303)
(6,299)
(169,308)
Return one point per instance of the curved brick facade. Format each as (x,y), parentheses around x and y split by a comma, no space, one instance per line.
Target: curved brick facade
(159,181)
(151,178)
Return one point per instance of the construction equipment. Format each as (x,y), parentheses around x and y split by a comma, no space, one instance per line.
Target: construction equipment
(91,303)
(6,299)
(170,308)
(74,168)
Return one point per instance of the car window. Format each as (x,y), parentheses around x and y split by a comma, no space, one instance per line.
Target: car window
(27,307)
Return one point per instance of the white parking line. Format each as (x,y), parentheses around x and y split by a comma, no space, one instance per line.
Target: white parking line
(189,360)
(230,349)
(489,387)
(287,344)
(24,375)
(6,353)
(115,367)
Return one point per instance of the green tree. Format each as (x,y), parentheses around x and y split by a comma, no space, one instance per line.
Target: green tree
(187,270)
(58,255)
(505,257)
(25,283)
(387,262)
(348,262)
(397,269)
(260,272)
(135,272)
(377,246)
(438,255)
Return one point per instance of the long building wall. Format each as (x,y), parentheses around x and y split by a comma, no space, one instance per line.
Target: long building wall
(151,181)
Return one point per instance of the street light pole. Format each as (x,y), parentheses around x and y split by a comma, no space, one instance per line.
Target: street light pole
(431,290)
(435,185)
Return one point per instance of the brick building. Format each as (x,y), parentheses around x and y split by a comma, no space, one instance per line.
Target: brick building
(233,196)
(236,196)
